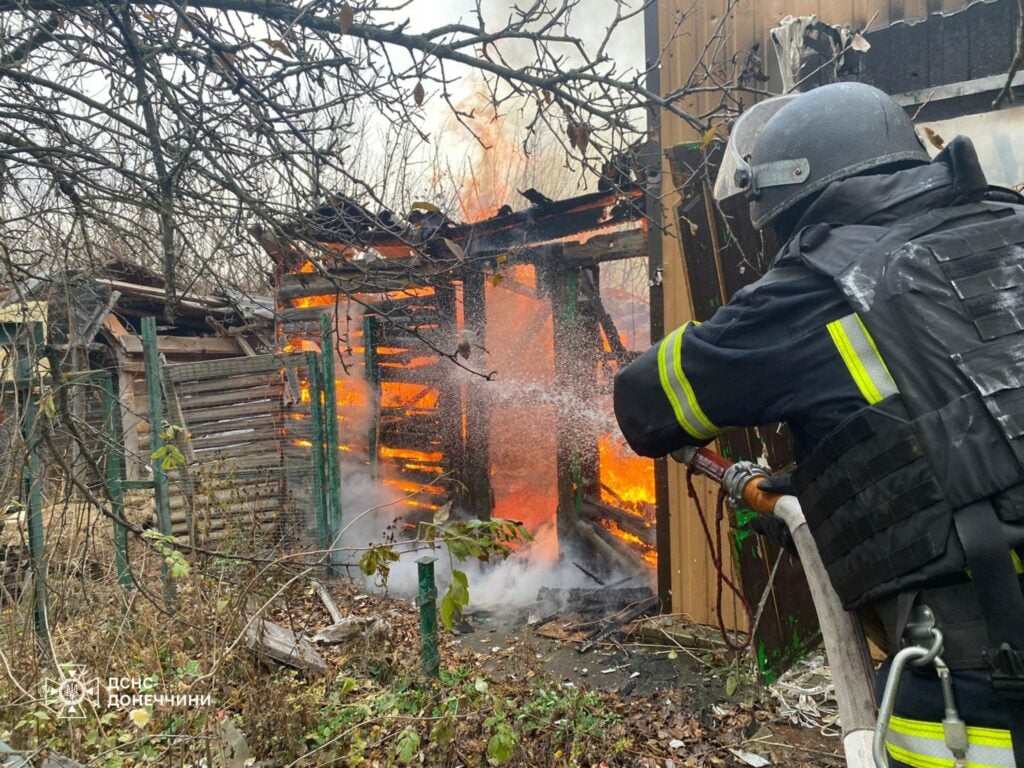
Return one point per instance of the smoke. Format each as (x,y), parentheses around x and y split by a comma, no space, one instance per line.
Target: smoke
(498,585)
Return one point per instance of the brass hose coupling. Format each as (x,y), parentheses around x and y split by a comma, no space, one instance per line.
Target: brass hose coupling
(737,477)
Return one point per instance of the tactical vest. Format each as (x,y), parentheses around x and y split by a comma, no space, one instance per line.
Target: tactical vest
(892,493)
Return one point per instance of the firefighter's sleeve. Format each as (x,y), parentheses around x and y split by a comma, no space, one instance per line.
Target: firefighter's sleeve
(655,403)
(702,378)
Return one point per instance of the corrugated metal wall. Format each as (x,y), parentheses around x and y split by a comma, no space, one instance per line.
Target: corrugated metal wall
(693,33)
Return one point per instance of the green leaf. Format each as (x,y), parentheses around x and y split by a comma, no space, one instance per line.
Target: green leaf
(442,514)
(732,682)
(448,610)
(501,745)
(443,731)
(407,746)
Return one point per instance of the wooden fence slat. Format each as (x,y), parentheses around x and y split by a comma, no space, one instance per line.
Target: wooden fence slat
(211,369)
(268,391)
(228,384)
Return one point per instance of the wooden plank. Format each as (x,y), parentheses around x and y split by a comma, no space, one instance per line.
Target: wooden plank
(244,469)
(231,413)
(185,345)
(258,529)
(215,369)
(280,644)
(265,391)
(190,389)
(258,447)
(222,427)
(223,440)
(261,510)
(205,496)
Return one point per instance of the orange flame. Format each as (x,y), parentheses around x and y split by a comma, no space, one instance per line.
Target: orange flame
(400,394)
(404,485)
(407,453)
(624,475)
(305,302)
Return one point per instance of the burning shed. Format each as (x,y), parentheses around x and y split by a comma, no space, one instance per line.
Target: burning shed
(474,360)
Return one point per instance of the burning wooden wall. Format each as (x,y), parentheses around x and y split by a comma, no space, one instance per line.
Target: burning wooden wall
(474,361)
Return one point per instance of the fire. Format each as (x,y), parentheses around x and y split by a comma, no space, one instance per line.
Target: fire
(301,345)
(400,394)
(647,552)
(307,268)
(305,302)
(523,470)
(411,292)
(348,394)
(497,160)
(406,453)
(624,475)
(404,485)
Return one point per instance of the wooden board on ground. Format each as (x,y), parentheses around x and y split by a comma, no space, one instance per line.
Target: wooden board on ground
(280,644)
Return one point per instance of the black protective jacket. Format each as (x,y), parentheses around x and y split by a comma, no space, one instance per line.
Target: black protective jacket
(781,350)
(767,356)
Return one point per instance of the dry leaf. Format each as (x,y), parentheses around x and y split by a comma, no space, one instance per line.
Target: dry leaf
(455,248)
(708,137)
(423,205)
(280,46)
(860,43)
(937,141)
(501,258)
(571,133)
(418,93)
(345,18)
(497,279)
(582,137)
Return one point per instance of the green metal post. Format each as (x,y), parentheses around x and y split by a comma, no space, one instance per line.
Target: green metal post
(316,412)
(24,348)
(372,372)
(331,441)
(156,421)
(25,372)
(429,651)
(114,462)
(36,538)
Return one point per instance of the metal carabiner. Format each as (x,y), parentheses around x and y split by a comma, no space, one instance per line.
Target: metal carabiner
(919,657)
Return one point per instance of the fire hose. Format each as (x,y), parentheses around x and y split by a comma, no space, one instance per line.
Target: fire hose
(843,636)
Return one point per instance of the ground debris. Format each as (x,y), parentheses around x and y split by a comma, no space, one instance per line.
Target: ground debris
(281,644)
(352,626)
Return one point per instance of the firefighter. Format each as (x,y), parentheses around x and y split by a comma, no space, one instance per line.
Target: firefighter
(889,335)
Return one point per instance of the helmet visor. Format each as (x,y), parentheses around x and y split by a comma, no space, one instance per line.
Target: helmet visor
(734,174)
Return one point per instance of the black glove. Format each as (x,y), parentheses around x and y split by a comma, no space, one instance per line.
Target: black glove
(775,529)
(780,484)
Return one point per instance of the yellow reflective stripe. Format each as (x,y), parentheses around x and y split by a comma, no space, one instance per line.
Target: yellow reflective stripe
(922,744)
(678,390)
(861,357)
(988,737)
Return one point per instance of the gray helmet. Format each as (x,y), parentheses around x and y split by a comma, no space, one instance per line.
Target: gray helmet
(785,149)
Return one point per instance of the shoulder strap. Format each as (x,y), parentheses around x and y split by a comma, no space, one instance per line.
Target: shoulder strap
(831,250)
